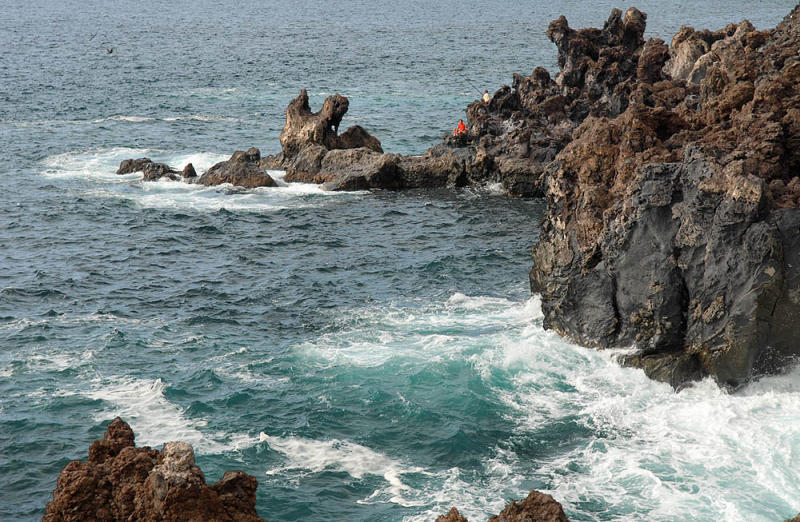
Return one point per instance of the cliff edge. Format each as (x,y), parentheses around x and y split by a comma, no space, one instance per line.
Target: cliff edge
(672,220)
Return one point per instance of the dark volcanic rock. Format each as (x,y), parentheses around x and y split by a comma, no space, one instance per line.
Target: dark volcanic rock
(355,137)
(452,516)
(672,209)
(151,171)
(133,165)
(123,482)
(242,170)
(155,171)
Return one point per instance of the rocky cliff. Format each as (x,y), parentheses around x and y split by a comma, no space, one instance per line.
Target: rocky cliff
(671,179)
(672,217)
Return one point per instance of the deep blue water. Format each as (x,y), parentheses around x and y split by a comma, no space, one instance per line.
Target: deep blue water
(367,356)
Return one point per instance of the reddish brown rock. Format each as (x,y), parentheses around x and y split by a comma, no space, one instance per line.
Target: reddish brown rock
(189,172)
(536,507)
(123,482)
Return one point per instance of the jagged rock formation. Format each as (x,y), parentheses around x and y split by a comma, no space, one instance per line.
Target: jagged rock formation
(536,507)
(243,169)
(672,220)
(313,152)
(123,482)
(304,127)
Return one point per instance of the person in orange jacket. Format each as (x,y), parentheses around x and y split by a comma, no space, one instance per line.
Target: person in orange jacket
(460,129)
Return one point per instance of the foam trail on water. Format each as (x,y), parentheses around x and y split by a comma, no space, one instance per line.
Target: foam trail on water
(154,419)
(357,461)
(619,444)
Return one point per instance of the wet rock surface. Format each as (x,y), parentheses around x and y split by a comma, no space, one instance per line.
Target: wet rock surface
(672,209)
(123,482)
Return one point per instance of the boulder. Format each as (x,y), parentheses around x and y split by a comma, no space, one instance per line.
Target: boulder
(538,507)
(452,516)
(243,169)
(155,171)
(123,482)
(356,137)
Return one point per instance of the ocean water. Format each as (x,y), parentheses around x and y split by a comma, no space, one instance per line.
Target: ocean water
(365,355)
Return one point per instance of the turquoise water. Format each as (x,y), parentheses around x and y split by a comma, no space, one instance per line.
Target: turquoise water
(366,356)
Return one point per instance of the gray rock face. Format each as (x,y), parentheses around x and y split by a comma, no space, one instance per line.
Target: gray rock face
(698,274)
(242,170)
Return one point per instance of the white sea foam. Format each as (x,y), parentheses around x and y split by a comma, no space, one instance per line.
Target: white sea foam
(357,461)
(131,119)
(460,325)
(154,419)
(100,165)
(639,447)
(703,453)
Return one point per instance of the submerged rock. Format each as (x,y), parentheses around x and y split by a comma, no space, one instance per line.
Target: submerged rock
(243,169)
(123,482)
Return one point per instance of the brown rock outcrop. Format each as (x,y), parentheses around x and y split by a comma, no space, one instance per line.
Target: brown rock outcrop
(536,507)
(123,482)
(679,163)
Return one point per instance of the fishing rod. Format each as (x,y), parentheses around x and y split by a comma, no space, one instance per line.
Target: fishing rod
(472,85)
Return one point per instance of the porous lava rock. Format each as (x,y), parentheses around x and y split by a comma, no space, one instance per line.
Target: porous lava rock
(672,218)
(123,482)
(536,507)
(243,169)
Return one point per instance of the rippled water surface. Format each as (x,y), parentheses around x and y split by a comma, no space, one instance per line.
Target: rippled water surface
(367,356)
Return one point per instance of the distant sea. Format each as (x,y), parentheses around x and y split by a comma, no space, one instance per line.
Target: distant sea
(385,344)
